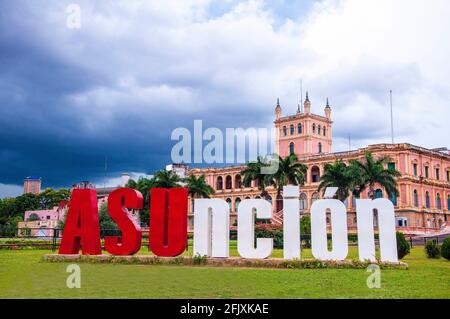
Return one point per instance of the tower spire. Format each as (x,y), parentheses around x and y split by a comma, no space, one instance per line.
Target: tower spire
(307,104)
(328,103)
(278,109)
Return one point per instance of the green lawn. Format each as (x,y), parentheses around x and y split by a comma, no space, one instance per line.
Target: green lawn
(23,274)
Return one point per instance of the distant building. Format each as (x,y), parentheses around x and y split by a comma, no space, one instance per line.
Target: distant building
(104,192)
(32,184)
(83,185)
(179,169)
(423,204)
(41,223)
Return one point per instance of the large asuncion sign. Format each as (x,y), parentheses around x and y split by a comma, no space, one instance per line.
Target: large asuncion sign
(168,226)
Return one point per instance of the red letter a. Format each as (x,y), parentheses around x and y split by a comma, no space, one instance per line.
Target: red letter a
(168,221)
(118,202)
(82,226)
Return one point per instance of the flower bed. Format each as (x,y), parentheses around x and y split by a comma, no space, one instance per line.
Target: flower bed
(277,263)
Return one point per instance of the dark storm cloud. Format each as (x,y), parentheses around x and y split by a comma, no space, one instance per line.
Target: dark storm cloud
(46,131)
(135,71)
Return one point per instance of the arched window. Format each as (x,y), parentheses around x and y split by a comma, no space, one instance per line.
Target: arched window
(320,147)
(228,182)
(324,131)
(315,174)
(292,148)
(237,201)
(299,128)
(292,129)
(415,169)
(427,200)
(228,200)
(219,185)
(303,201)
(314,127)
(448,202)
(319,129)
(378,193)
(438,201)
(284,130)
(238,181)
(416,198)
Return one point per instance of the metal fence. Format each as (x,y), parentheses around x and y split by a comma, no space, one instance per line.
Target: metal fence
(50,238)
(422,241)
(47,238)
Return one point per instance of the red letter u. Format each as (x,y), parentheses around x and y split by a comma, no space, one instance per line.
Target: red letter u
(168,221)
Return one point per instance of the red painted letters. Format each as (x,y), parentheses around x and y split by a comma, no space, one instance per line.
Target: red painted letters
(168,221)
(82,226)
(118,202)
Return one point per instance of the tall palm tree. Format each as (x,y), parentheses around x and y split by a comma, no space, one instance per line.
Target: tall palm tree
(338,175)
(371,171)
(166,179)
(290,171)
(198,188)
(253,172)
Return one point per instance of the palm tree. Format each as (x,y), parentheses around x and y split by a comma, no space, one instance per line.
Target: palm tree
(253,172)
(166,179)
(340,176)
(198,188)
(143,185)
(371,171)
(290,171)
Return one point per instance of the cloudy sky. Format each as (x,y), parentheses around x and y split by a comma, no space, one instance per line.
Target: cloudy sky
(135,70)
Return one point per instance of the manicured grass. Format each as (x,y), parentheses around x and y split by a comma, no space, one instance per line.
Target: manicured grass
(23,274)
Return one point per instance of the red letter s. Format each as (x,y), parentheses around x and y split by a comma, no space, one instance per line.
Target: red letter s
(118,202)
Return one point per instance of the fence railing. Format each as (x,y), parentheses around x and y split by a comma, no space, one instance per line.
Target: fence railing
(50,238)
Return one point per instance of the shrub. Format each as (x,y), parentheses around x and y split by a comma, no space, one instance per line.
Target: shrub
(270,231)
(432,249)
(445,248)
(403,247)
(199,260)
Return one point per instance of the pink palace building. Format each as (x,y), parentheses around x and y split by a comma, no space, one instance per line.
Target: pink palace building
(424,186)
